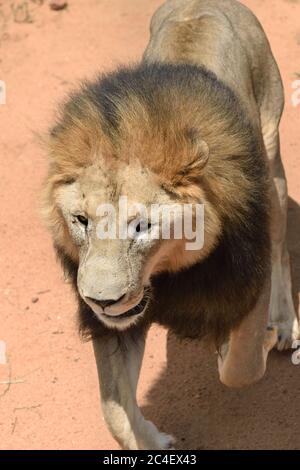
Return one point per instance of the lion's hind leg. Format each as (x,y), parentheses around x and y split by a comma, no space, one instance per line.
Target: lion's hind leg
(282,311)
(243,360)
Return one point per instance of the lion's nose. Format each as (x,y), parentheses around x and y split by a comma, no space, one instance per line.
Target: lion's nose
(105,302)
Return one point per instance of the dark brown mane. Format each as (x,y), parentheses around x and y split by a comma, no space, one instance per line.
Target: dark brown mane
(211,297)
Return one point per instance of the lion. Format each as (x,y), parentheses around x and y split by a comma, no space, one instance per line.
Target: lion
(195,122)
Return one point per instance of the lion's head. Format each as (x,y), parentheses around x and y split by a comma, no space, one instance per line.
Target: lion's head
(139,134)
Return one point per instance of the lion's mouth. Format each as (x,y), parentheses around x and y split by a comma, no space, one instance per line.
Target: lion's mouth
(136,310)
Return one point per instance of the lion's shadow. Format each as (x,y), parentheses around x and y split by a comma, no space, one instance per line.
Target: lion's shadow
(189,402)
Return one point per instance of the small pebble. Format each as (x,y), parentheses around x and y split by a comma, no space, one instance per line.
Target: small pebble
(58,5)
(35,300)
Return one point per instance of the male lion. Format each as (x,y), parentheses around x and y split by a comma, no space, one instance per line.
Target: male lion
(195,122)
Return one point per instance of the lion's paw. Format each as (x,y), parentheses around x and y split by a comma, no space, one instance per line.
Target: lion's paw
(152,439)
(288,332)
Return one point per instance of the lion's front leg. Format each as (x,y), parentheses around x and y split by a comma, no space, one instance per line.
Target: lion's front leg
(243,359)
(119,360)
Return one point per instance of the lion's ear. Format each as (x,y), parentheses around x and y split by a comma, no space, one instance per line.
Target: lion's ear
(197,148)
(200,152)
(197,156)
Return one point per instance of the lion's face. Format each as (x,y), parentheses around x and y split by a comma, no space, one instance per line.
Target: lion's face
(114,272)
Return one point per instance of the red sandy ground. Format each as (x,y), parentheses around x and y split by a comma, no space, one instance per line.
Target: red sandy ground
(54,403)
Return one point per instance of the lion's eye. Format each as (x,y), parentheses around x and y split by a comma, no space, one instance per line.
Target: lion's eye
(83,220)
(142,227)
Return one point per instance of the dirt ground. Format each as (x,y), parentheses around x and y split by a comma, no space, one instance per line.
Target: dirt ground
(48,391)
